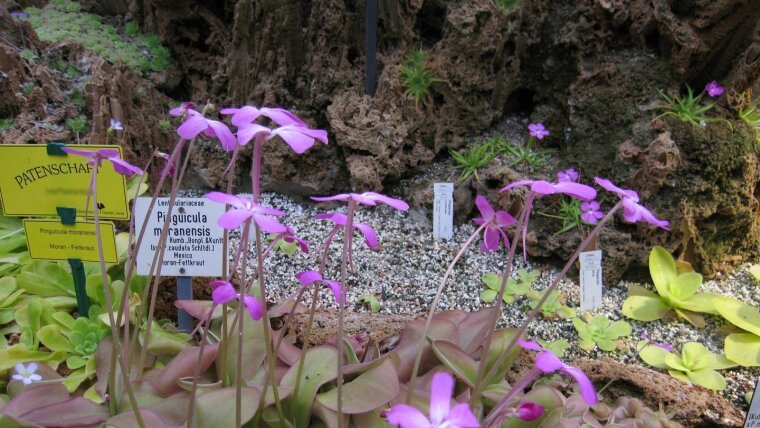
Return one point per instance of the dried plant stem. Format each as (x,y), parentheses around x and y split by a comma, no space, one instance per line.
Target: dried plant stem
(532,314)
(433,306)
(197,369)
(116,348)
(348,234)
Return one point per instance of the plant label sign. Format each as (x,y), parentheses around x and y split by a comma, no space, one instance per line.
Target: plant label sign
(51,240)
(591,280)
(34,183)
(753,415)
(443,210)
(195,243)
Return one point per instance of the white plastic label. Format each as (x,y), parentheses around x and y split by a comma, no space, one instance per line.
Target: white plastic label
(195,243)
(443,210)
(591,280)
(753,415)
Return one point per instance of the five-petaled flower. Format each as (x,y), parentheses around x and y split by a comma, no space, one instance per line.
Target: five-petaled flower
(195,123)
(370,237)
(569,174)
(366,198)
(441,413)
(495,222)
(713,89)
(225,292)
(115,126)
(299,138)
(537,130)
(540,187)
(547,362)
(244,209)
(310,277)
(633,212)
(248,114)
(289,236)
(111,155)
(26,374)
(591,213)
(529,411)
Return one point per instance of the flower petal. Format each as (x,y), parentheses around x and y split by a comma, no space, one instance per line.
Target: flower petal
(392,202)
(233,218)
(610,187)
(224,294)
(254,307)
(340,197)
(337,290)
(31,367)
(336,218)
(246,133)
(491,239)
(461,416)
(223,133)
(517,184)
(532,346)
(407,417)
(485,208)
(576,190)
(124,168)
(89,154)
(296,138)
(588,392)
(503,219)
(225,198)
(309,277)
(268,225)
(282,117)
(242,116)
(440,397)
(370,238)
(193,126)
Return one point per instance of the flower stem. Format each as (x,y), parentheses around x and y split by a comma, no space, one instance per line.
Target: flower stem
(433,306)
(239,357)
(517,387)
(344,282)
(532,314)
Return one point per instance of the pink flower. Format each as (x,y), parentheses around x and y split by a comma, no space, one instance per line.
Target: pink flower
(182,109)
(713,89)
(576,190)
(289,236)
(633,212)
(441,413)
(248,114)
(537,130)
(195,123)
(225,292)
(495,222)
(313,277)
(366,198)
(370,238)
(243,209)
(547,363)
(170,168)
(591,213)
(111,155)
(529,411)
(299,138)
(569,174)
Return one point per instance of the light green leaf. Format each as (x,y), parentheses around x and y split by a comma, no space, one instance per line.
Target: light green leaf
(662,268)
(456,360)
(685,285)
(696,356)
(680,376)
(488,296)
(754,270)
(492,281)
(637,290)
(217,408)
(53,339)
(701,302)
(676,363)
(654,356)
(319,368)
(366,392)
(739,314)
(606,345)
(619,329)
(707,378)
(644,308)
(743,348)
(692,317)
(588,345)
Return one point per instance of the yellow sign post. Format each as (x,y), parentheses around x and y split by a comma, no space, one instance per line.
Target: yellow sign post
(36,183)
(51,240)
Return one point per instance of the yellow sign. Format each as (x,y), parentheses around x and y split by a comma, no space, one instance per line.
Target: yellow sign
(51,240)
(33,183)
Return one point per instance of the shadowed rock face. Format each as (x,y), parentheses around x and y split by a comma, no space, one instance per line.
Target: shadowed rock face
(588,69)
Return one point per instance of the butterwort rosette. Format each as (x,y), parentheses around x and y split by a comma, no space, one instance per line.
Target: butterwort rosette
(243,209)
(495,222)
(633,212)
(441,415)
(110,155)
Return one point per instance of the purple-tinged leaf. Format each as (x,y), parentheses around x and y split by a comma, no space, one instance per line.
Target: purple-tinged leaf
(455,359)
(366,392)
(199,309)
(217,408)
(181,366)
(151,419)
(40,395)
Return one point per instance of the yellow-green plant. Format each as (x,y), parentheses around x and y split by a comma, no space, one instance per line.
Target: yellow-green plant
(600,332)
(695,364)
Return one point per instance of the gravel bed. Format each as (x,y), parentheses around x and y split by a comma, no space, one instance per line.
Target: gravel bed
(406,270)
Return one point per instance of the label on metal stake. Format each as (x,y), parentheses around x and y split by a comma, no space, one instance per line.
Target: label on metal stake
(591,280)
(443,210)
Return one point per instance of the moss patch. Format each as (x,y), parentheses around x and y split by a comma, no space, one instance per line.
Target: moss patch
(64,20)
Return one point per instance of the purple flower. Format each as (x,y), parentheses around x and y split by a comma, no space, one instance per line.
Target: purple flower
(576,190)
(170,168)
(225,292)
(111,155)
(299,138)
(312,277)
(495,222)
(370,238)
(591,213)
(666,346)
(289,236)
(242,210)
(366,198)
(633,212)
(248,114)
(529,411)
(537,130)
(569,174)
(713,89)
(183,109)
(547,363)
(441,413)
(115,126)
(195,123)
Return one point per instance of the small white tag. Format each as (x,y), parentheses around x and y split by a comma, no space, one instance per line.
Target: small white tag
(753,415)
(443,210)
(591,280)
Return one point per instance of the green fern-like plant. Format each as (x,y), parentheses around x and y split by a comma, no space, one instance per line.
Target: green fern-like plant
(416,78)
(472,160)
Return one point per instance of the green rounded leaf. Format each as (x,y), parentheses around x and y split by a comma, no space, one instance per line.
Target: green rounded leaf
(685,285)
(488,296)
(53,339)
(619,329)
(606,345)
(662,268)
(654,356)
(743,348)
(701,302)
(644,308)
(708,378)
(739,314)
(696,356)
(676,363)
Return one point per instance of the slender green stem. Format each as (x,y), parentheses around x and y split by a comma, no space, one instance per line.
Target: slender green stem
(532,314)
(433,306)
(498,410)
(116,349)
(197,369)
